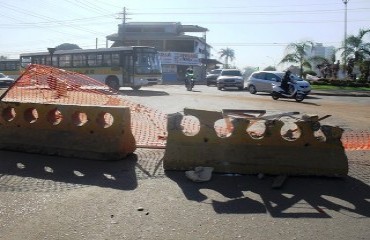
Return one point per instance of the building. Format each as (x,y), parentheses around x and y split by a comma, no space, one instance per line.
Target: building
(178,50)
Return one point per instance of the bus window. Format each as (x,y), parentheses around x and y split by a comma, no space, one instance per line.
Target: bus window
(79,60)
(99,60)
(147,62)
(107,61)
(115,59)
(47,62)
(65,60)
(91,59)
(25,61)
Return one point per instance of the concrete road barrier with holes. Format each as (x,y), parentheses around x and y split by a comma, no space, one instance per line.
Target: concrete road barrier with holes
(245,153)
(92,132)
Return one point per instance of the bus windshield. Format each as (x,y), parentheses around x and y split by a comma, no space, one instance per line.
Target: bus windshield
(147,63)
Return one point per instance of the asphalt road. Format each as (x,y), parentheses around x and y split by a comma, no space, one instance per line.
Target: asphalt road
(347,112)
(44,197)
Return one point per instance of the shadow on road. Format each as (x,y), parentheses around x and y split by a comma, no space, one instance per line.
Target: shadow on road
(27,172)
(300,197)
(143,93)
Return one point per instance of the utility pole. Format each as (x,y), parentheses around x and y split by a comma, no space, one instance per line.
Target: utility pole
(124,16)
(345,36)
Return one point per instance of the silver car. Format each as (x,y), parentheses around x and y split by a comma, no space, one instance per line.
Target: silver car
(230,78)
(5,81)
(262,81)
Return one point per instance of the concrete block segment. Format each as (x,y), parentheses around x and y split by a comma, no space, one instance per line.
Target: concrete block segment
(242,152)
(82,131)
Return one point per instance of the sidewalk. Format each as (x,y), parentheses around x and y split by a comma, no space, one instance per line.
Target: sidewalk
(341,93)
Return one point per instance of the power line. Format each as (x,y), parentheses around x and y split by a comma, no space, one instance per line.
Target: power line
(44,17)
(283,12)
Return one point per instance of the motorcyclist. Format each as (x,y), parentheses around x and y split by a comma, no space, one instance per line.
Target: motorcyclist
(285,81)
(189,74)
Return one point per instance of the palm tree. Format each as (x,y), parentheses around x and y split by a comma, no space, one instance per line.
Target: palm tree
(227,53)
(356,47)
(358,52)
(297,54)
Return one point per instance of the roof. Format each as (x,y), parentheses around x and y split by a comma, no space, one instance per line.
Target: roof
(192,28)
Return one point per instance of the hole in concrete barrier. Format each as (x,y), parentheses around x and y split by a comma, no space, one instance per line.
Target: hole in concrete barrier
(224,127)
(190,125)
(105,119)
(48,169)
(79,118)
(55,116)
(9,114)
(256,129)
(31,115)
(21,166)
(78,173)
(290,131)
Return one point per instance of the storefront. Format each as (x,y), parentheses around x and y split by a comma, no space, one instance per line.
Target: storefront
(174,65)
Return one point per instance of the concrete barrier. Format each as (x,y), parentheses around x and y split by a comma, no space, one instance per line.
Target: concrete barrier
(245,153)
(82,131)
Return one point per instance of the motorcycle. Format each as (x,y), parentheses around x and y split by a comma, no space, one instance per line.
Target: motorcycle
(189,82)
(293,92)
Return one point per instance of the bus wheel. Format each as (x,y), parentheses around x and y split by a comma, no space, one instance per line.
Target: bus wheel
(136,87)
(112,82)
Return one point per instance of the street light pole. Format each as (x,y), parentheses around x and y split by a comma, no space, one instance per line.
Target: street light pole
(345,35)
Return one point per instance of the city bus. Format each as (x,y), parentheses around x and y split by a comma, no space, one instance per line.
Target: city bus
(116,67)
(10,67)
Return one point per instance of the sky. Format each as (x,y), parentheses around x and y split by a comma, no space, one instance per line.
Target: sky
(257,30)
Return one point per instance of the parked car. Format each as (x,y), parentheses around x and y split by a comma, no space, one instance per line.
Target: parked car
(212,76)
(5,81)
(261,81)
(230,78)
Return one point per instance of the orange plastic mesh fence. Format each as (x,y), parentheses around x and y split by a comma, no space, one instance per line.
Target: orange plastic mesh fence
(45,84)
(356,140)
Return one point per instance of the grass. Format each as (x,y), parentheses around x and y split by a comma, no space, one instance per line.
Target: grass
(329,87)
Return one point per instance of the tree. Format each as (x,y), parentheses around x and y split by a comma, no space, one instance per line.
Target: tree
(358,51)
(270,68)
(67,46)
(228,54)
(297,53)
(3,57)
(248,70)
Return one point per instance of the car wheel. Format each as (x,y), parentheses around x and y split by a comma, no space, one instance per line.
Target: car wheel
(135,88)
(252,89)
(219,88)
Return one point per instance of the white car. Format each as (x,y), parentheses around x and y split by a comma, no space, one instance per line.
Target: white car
(5,81)
(261,81)
(230,78)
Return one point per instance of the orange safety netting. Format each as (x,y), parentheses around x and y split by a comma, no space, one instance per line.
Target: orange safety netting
(49,85)
(356,140)
(45,84)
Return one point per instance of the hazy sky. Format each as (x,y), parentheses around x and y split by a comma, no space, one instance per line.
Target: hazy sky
(257,30)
